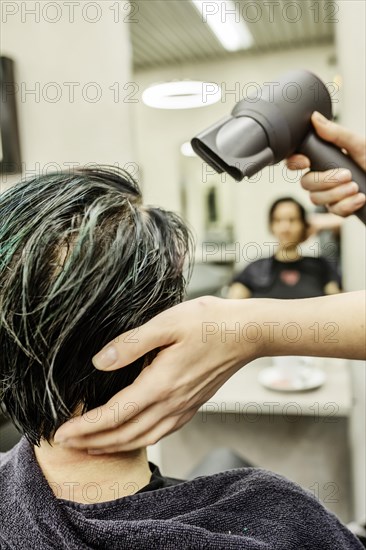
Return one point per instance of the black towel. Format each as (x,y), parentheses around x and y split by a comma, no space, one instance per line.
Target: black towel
(245,508)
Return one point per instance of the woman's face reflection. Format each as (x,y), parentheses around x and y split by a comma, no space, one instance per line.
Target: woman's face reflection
(287,225)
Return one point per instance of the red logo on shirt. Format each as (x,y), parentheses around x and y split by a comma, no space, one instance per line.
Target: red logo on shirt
(290,278)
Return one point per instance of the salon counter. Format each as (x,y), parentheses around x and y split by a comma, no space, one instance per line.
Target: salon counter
(243,391)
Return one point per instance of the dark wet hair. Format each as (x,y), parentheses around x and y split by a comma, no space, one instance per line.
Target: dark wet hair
(81,261)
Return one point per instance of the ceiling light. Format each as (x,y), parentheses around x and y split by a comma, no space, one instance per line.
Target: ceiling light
(187,150)
(226,23)
(185,94)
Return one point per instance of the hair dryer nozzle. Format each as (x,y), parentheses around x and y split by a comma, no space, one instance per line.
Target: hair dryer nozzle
(238,146)
(214,160)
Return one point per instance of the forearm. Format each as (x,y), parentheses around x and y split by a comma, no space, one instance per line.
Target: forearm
(322,222)
(328,326)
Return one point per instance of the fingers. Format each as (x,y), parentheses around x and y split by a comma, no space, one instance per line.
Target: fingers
(343,138)
(144,421)
(349,205)
(110,431)
(131,345)
(161,429)
(335,190)
(334,195)
(155,426)
(321,181)
(297,162)
(340,136)
(121,408)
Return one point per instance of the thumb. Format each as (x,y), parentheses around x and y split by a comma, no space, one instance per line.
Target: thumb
(333,132)
(131,345)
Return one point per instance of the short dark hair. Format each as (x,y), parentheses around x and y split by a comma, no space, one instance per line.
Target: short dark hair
(81,261)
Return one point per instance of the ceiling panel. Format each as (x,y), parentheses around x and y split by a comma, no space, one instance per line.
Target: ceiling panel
(167,32)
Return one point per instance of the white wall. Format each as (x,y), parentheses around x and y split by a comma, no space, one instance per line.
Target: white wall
(82,52)
(351,51)
(160,134)
(352,64)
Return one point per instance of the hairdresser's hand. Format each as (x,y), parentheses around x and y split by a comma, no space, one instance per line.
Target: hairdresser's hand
(203,342)
(196,358)
(334,189)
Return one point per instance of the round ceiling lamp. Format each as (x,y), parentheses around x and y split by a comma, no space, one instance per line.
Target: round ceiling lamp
(187,150)
(185,94)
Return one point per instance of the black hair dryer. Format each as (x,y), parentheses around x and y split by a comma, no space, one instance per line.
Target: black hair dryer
(265,130)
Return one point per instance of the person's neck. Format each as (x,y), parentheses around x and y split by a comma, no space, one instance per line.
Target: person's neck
(287,254)
(79,477)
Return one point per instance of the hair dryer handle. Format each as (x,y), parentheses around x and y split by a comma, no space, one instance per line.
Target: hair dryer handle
(325,156)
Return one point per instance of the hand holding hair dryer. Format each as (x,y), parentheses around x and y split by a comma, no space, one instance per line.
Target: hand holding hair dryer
(265,130)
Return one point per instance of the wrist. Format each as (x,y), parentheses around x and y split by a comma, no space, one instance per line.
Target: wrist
(264,323)
(250,314)
(262,320)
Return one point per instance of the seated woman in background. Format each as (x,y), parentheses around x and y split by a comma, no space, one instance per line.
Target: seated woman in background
(287,274)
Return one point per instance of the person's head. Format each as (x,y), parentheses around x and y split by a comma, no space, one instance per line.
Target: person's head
(81,261)
(287,221)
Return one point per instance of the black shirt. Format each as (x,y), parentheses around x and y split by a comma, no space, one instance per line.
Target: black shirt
(157,481)
(303,278)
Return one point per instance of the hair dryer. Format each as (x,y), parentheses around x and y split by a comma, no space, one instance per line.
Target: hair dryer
(265,130)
